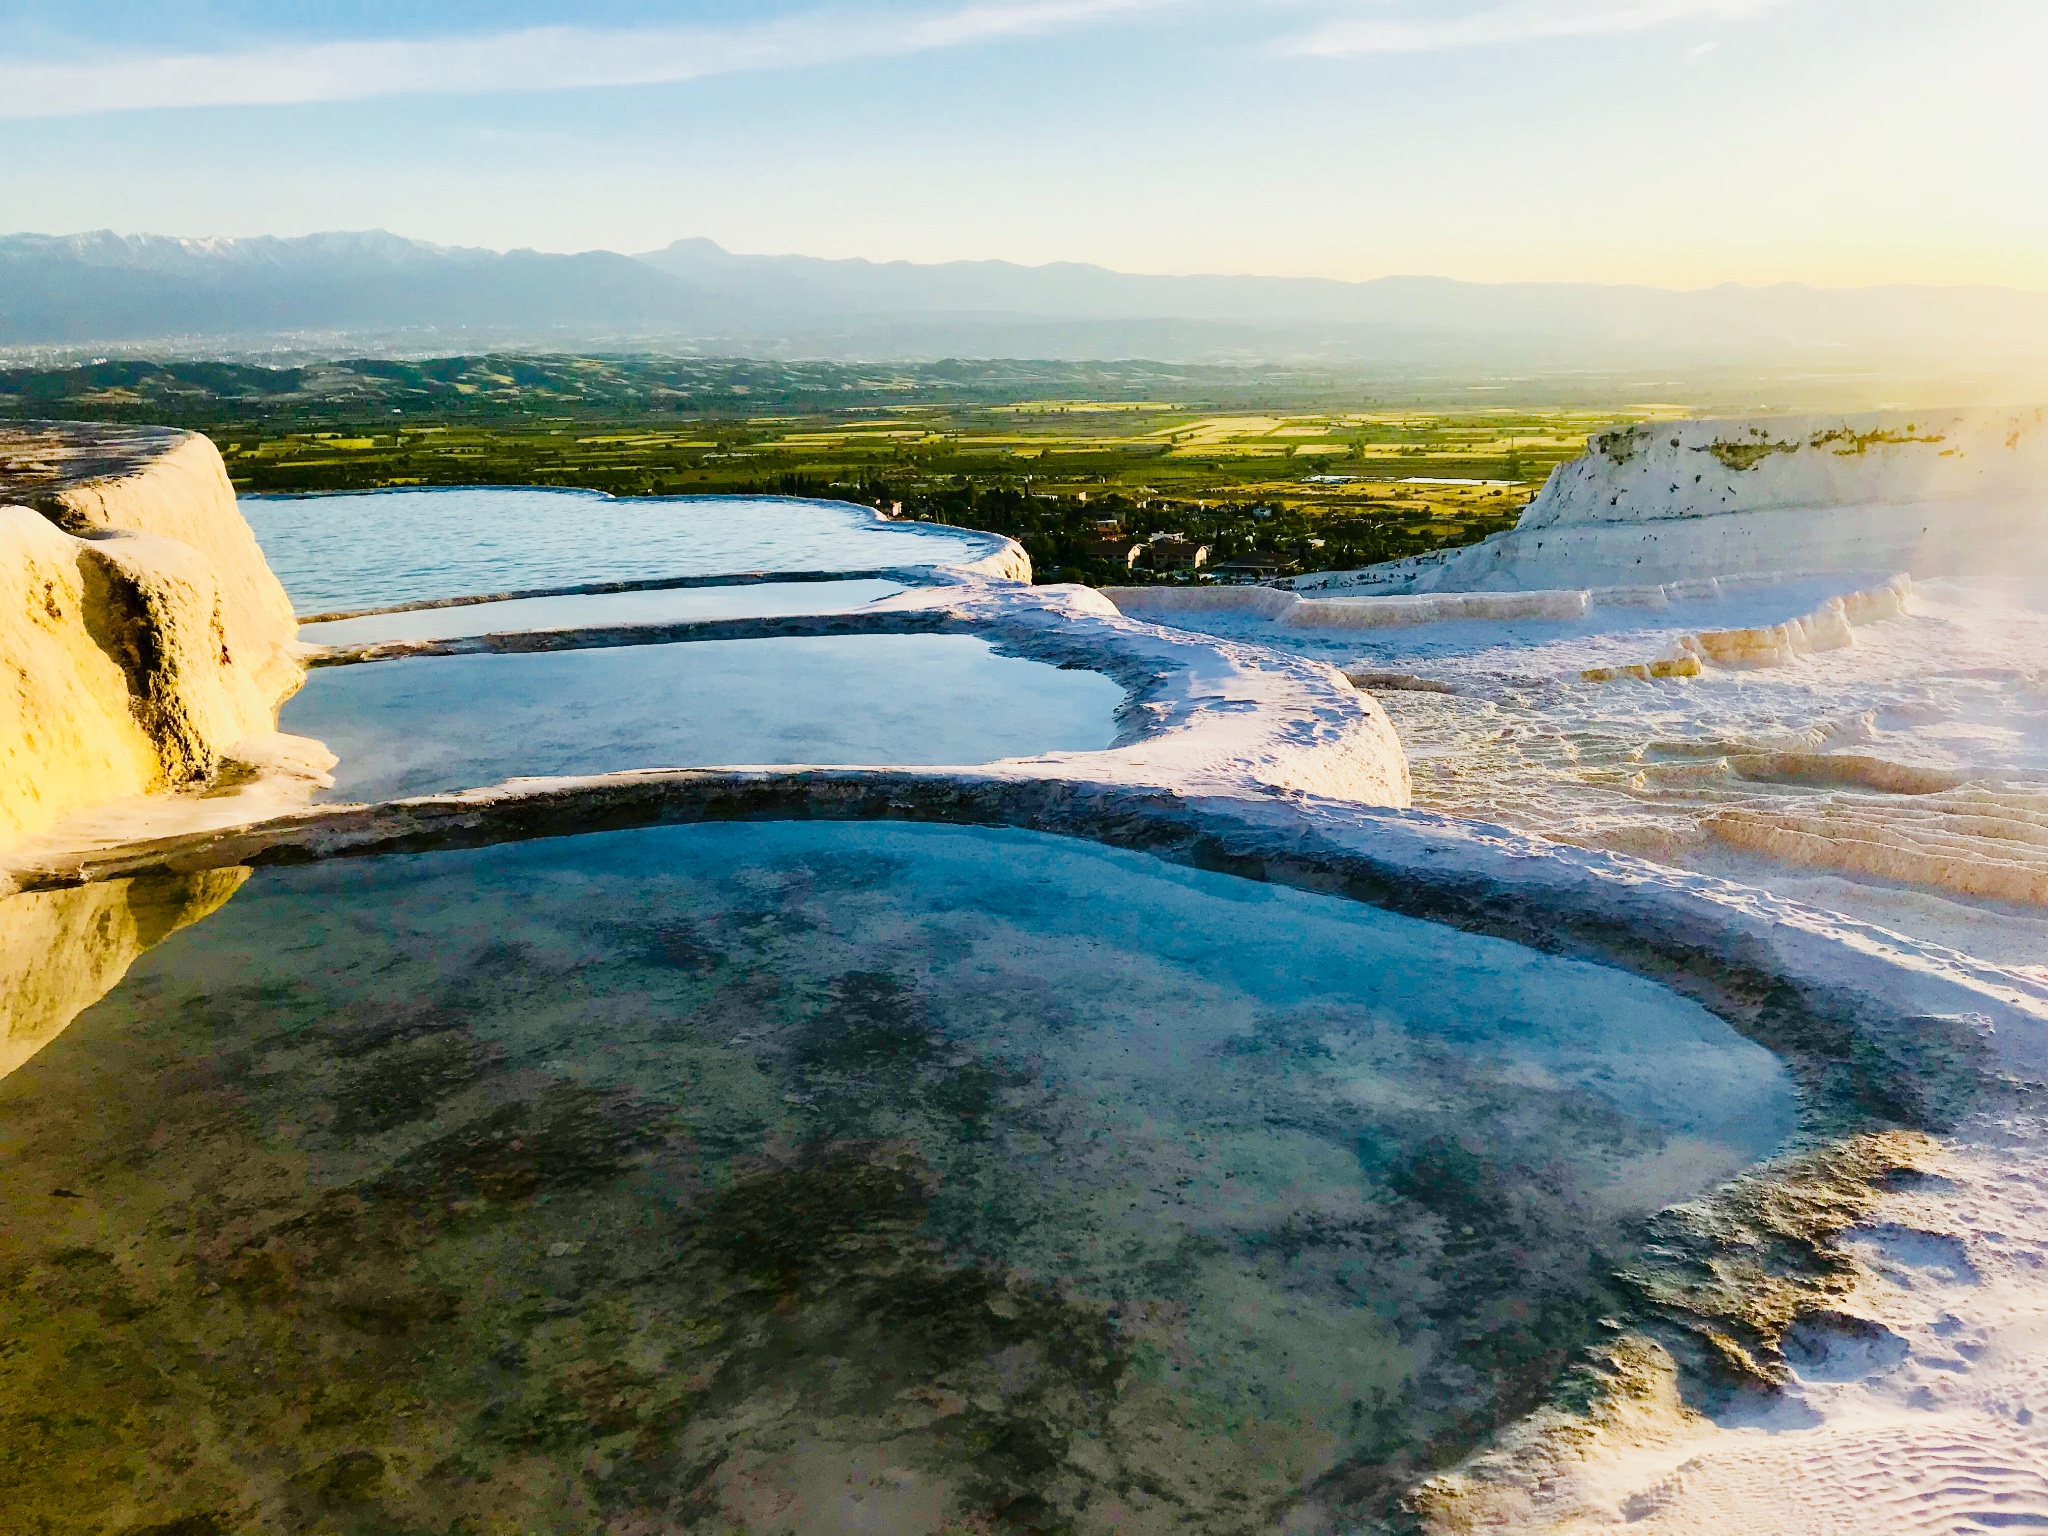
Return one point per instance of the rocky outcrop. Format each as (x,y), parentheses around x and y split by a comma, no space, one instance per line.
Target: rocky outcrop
(1006,562)
(142,636)
(1656,471)
(1929,493)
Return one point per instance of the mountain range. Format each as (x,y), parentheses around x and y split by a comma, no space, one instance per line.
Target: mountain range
(380,290)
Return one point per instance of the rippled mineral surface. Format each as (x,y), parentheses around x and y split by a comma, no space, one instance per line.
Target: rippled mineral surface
(817,1178)
(1900,778)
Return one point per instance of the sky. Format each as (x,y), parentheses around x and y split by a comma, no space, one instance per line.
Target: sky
(1679,143)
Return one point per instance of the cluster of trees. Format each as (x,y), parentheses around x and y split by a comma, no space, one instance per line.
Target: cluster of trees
(1075,538)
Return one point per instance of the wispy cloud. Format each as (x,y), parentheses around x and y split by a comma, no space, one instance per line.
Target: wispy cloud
(533,59)
(1528,21)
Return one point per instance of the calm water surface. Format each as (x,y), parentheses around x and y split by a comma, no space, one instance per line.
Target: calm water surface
(803,1177)
(343,552)
(429,724)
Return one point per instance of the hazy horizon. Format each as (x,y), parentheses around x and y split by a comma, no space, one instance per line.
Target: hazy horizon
(216,238)
(1675,144)
(994,259)
(374,291)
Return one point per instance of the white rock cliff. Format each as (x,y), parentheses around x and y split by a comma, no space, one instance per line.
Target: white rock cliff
(1928,493)
(142,636)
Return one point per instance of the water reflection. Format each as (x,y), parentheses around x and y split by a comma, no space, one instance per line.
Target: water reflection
(62,951)
(809,1178)
(430,724)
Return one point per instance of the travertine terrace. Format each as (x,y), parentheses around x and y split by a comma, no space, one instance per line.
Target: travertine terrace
(148,647)
(1936,493)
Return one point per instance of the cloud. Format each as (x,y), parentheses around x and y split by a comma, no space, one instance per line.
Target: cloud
(1531,21)
(533,59)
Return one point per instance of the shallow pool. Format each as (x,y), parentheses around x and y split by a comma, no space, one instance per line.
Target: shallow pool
(340,552)
(802,1176)
(429,724)
(602,610)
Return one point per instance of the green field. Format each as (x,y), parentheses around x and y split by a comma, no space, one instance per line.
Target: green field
(1078,483)
(1272,472)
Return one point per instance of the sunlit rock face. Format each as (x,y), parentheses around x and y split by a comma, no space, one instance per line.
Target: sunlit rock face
(141,634)
(173,485)
(1934,493)
(1701,469)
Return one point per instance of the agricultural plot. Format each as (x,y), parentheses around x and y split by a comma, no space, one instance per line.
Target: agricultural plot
(1084,486)
(1081,484)
(1259,472)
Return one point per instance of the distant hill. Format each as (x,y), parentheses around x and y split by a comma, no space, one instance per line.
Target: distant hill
(104,287)
(1788,313)
(407,295)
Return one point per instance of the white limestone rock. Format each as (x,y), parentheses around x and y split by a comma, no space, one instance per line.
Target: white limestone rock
(1986,840)
(1929,493)
(141,633)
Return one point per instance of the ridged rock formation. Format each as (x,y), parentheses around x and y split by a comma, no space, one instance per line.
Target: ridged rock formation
(1988,840)
(142,636)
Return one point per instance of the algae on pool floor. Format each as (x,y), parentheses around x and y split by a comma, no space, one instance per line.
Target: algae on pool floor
(802,1177)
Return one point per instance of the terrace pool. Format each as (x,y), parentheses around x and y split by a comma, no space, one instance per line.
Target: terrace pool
(338,553)
(430,724)
(818,1177)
